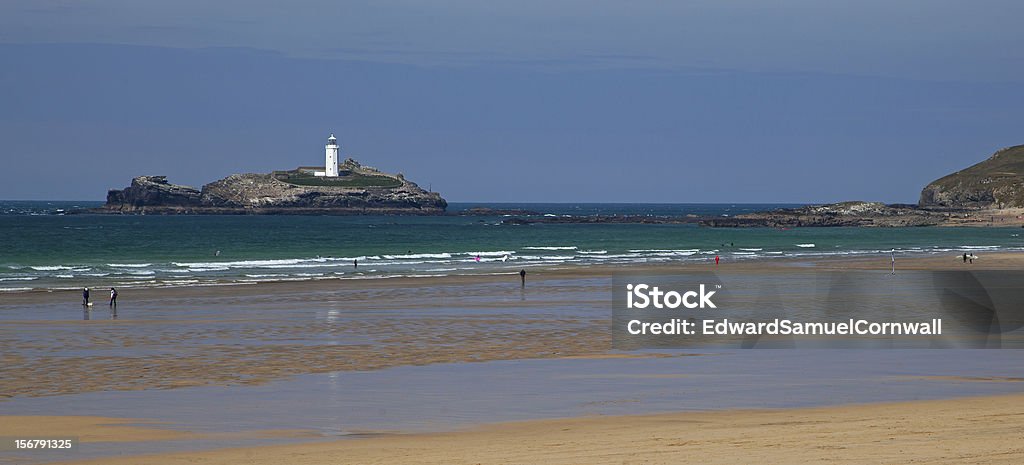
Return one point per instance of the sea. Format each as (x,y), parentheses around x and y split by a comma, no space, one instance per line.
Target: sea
(42,247)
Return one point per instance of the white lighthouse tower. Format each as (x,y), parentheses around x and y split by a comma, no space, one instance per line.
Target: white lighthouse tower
(331,165)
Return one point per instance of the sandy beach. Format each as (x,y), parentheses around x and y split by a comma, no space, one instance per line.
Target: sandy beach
(251,335)
(984,430)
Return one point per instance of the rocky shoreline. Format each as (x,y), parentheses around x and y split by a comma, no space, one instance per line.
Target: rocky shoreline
(990,193)
(862,214)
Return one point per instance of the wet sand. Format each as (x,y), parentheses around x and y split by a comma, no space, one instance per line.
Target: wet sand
(87,428)
(252,334)
(986,430)
(258,334)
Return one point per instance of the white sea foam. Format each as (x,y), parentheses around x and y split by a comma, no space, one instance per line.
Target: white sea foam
(129,265)
(750,250)
(180,281)
(50,268)
(419,255)
(16,289)
(552,247)
(239,264)
(806,246)
(593,252)
(25,278)
(492,253)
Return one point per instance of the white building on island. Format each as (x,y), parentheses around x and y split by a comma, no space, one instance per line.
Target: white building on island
(331,163)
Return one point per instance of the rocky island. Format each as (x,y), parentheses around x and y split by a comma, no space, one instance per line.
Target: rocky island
(354,190)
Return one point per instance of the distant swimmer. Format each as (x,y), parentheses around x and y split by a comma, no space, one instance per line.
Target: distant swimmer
(113,297)
(505,258)
(478,258)
(893,253)
(522,276)
(217,254)
(355,263)
(85,296)
(716,260)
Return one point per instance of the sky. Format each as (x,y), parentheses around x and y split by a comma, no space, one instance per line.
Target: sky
(528,101)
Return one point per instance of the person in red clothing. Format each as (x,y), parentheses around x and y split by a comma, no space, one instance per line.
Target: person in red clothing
(716,260)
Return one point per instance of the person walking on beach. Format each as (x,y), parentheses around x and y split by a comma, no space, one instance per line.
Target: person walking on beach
(965,257)
(85,296)
(522,276)
(893,253)
(716,260)
(113,297)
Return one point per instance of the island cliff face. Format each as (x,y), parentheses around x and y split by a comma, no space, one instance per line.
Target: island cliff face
(359,190)
(997,182)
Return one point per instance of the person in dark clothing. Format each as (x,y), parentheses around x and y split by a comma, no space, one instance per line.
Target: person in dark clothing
(522,276)
(965,257)
(85,296)
(113,297)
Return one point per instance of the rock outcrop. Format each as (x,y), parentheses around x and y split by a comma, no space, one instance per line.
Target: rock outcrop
(855,213)
(997,182)
(360,191)
(153,190)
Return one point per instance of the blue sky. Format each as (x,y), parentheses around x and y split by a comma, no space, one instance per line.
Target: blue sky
(647,101)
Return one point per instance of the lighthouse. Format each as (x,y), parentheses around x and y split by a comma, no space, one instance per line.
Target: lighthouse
(331,165)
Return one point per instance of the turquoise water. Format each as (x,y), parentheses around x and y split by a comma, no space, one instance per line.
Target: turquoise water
(42,249)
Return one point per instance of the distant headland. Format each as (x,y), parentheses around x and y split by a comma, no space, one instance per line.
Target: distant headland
(346,188)
(989,193)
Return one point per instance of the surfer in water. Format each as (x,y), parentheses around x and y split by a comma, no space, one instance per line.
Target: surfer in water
(85,296)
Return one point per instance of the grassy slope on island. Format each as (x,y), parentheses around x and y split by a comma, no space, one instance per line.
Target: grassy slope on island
(349,180)
(996,182)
